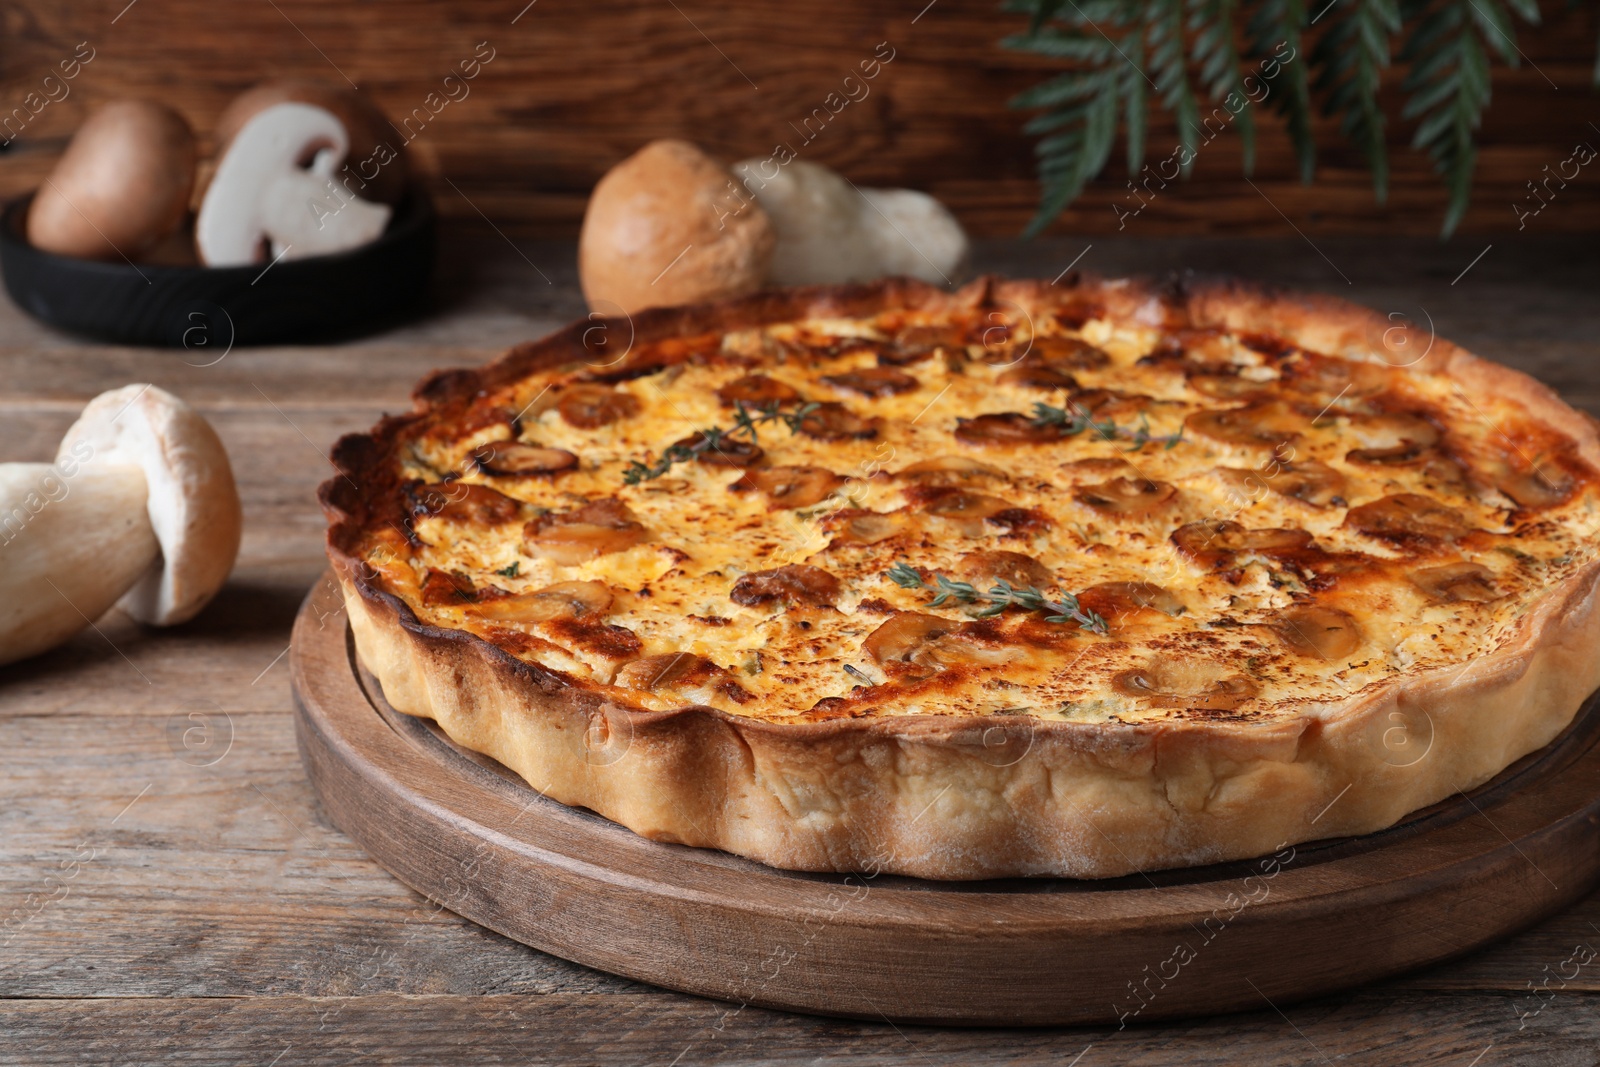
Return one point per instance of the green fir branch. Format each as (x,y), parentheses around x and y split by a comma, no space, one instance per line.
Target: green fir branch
(1300,56)
(1215,54)
(1277,48)
(1349,60)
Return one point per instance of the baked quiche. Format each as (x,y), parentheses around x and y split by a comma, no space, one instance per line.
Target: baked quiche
(1074,579)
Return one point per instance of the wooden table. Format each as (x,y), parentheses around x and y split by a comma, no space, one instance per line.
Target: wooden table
(169,890)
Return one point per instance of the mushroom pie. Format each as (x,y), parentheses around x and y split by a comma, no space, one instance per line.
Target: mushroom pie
(1025,579)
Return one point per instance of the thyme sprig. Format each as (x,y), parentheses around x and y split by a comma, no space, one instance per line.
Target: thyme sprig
(1004,595)
(1074,420)
(712,437)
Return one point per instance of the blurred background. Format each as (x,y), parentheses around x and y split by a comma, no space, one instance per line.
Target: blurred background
(566,89)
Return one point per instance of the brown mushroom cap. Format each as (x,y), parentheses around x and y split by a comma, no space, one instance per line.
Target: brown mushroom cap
(667,226)
(121,187)
(193,502)
(364,124)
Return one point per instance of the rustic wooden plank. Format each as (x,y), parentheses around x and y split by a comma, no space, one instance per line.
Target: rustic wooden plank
(236,873)
(662,1029)
(573,87)
(228,884)
(223,878)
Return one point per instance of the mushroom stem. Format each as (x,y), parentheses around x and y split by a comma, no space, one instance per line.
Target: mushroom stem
(68,550)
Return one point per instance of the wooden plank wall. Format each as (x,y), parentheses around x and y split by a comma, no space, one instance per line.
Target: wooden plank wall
(571,86)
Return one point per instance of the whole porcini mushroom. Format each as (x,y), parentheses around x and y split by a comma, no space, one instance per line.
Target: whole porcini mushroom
(277,192)
(669,225)
(139,509)
(831,232)
(121,187)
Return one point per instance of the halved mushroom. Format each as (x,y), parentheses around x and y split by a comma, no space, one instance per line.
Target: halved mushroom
(951,470)
(873,381)
(1270,345)
(1120,600)
(795,584)
(1019,522)
(1452,582)
(1186,343)
(931,335)
(463,502)
(673,671)
(1190,683)
(912,646)
(963,507)
(1078,313)
(1005,428)
(1101,467)
(1225,384)
(1408,520)
(856,527)
(1211,542)
(1392,439)
(1329,378)
(791,487)
(515,459)
(1111,404)
(835,422)
(1125,496)
(590,406)
(1028,375)
(985,569)
(727,452)
(914,344)
(573,537)
(275,195)
(450,589)
(563,600)
(1310,482)
(758,391)
(1067,353)
(952,503)
(1538,487)
(1265,423)
(1320,631)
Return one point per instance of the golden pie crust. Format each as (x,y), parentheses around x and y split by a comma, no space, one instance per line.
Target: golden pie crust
(1345,570)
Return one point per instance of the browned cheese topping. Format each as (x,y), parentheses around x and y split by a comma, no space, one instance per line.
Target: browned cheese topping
(1264,530)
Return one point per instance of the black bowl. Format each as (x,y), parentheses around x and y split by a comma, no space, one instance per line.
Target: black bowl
(321,298)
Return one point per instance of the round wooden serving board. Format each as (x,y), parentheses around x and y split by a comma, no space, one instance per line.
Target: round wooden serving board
(469,834)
